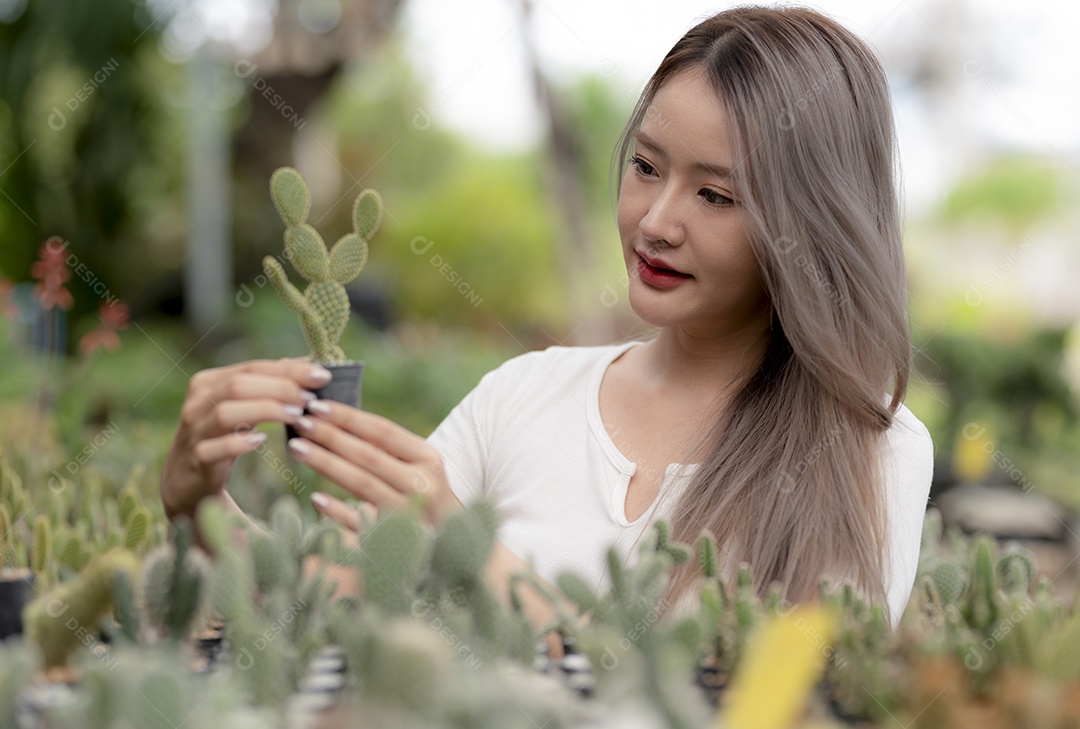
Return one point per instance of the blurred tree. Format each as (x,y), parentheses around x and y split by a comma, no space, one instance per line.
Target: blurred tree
(1012,192)
(1008,386)
(597,109)
(76,113)
(478,252)
(313,41)
(563,170)
(468,236)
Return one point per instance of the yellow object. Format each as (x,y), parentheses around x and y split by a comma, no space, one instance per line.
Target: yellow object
(780,669)
(973,454)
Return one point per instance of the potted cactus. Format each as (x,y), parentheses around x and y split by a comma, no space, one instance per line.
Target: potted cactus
(16,582)
(16,590)
(323,307)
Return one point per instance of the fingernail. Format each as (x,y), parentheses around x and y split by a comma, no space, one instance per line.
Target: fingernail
(319,407)
(304,423)
(255,437)
(294,411)
(299,447)
(307,395)
(320,501)
(321,374)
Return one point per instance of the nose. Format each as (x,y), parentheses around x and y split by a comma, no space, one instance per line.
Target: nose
(665,219)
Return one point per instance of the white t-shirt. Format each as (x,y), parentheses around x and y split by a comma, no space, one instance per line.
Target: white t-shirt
(529,436)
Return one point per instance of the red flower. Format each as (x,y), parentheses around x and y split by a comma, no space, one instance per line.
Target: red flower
(114,318)
(51,271)
(7,301)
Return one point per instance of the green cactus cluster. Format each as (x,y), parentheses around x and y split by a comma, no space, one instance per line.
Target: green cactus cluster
(426,643)
(57,526)
(323,307)
(974,604)
(173,586)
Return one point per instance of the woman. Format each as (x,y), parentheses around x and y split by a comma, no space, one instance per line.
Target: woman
(759,222)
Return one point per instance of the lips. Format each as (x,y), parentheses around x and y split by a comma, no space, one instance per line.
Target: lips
(661,265)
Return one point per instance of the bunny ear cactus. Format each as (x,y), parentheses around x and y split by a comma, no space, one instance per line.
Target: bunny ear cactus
(323,307)
(52,619)
(394,555)
(950,580)
(172,585)
(1016,568)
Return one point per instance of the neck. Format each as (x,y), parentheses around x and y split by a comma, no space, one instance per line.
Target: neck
(701,368)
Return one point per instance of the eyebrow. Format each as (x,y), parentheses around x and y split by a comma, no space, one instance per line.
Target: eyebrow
(722,171)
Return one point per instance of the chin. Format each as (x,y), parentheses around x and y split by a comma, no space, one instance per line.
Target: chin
(654,313)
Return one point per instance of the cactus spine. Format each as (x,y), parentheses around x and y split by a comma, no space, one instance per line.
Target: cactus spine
(323,307)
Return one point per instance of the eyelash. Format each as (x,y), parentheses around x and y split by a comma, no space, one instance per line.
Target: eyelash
(644,169)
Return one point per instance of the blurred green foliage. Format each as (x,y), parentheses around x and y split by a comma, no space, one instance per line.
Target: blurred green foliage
(1016,386)
(1010,191)
(82,127)
(413,377)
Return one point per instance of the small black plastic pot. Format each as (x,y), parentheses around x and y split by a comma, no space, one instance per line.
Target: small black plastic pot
(16,590)
(344,387)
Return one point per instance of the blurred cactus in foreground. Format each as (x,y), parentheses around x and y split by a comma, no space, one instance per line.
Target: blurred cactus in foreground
(426,642)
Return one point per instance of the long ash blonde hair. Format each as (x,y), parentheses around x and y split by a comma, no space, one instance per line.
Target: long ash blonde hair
(789,479)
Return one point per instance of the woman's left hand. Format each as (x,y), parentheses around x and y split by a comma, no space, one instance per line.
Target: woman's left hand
(373,458)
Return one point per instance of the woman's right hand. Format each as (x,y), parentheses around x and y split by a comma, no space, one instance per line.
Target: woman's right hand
(217,421)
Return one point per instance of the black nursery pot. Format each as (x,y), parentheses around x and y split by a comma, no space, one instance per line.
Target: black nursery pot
(16,590)
(344,387)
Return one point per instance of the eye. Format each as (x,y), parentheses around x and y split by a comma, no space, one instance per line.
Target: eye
(643,168)
(714,198)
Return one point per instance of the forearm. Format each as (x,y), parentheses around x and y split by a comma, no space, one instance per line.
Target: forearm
(228,503)
(501,568)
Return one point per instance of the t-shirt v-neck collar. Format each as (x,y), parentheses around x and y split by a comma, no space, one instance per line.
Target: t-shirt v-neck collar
(616,457)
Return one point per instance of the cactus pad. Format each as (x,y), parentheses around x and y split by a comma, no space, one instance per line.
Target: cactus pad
(307,252)
(394,554)
(950,580)
(1016,568)
(54,619)
(290,194)
(348,258)
(367,214)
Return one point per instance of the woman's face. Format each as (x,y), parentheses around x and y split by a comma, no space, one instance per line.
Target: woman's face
(678,209)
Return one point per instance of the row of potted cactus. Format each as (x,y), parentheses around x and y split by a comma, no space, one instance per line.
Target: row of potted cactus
(426,643)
